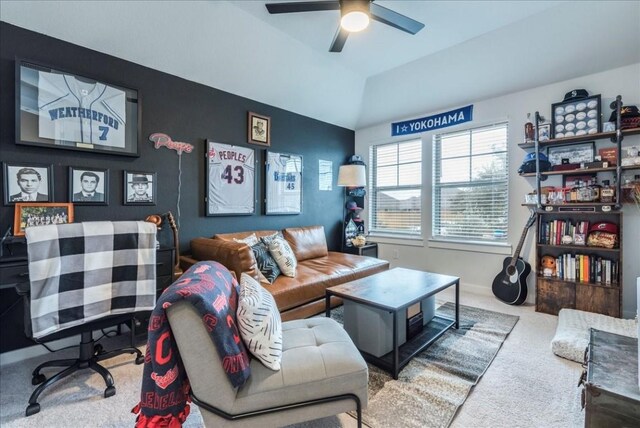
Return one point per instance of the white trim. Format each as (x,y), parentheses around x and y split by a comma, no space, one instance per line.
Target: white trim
(409,241)
(472,246)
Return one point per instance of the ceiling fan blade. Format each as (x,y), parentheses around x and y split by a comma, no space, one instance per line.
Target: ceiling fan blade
(307,6)
(394,19)
(339,40)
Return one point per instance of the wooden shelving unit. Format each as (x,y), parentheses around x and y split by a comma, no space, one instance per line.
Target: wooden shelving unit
(593,294)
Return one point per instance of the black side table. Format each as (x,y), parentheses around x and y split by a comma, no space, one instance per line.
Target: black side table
(370,250)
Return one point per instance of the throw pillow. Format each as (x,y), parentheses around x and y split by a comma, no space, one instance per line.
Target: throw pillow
(250,240)
(266,264)
(282,252)
(259,322)
(266,240)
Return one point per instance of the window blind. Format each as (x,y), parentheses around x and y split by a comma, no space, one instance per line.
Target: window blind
(395,174)
(471,185)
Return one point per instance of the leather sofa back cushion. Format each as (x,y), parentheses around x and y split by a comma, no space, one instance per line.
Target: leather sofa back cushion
(243,235)
(306,242)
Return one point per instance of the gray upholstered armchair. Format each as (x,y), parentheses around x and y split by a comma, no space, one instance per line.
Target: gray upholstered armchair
(322,374)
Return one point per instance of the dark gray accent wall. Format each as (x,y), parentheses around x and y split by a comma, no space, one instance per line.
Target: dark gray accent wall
(188,112)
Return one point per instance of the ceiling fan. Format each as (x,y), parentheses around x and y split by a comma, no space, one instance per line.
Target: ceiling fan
(355,16)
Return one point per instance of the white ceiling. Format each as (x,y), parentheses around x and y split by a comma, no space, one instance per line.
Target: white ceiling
(468,51)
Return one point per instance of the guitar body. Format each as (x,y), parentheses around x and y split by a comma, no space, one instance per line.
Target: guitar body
(510,285)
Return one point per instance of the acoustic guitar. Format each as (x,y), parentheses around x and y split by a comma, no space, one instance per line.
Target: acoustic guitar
(510,285)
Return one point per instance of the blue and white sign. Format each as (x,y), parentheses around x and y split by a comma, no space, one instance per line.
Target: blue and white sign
(437,121)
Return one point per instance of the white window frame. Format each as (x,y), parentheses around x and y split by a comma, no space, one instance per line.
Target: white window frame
(373,189)
(436,187)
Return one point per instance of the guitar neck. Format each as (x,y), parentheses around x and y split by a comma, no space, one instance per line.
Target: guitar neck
(516,254)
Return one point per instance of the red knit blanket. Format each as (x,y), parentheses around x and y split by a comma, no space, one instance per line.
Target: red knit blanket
(165,387)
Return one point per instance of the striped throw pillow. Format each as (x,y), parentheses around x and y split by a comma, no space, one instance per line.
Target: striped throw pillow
(283,254)
(259,322)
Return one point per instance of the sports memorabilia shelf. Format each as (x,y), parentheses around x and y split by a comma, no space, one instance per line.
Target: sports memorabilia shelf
(579,244)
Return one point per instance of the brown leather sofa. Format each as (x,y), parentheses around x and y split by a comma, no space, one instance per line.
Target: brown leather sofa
(318,268)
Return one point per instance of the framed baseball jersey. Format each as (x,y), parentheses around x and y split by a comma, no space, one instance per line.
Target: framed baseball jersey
(60,109)
(283,183)
(230,179)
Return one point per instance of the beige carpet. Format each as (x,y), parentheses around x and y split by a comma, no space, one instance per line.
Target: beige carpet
(525,386)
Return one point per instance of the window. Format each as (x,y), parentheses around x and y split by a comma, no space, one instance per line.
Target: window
(395,178)
(471,185)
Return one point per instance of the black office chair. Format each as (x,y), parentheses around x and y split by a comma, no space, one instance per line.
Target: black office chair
(89,354)
(68,259)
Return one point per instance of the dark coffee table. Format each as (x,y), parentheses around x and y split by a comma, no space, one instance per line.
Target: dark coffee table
(393,291)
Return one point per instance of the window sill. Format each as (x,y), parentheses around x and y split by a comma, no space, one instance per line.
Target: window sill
(503,248)
(410,241)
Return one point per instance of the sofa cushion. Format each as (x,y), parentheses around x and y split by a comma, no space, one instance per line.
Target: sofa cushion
(259,322)
(283,254)
(315,275)
(250,240)
(266,263)
(306,242)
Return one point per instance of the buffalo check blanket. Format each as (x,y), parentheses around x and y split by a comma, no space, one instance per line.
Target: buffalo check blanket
(85,271)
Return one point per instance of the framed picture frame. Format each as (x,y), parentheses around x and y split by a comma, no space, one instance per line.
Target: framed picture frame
(259,129)
(27,182)
(570,181)
(88,186)
(28,214)
(230,180)
(140,188)
(575,153)
(544,132)
(63,110)
(283,183)
(576,118)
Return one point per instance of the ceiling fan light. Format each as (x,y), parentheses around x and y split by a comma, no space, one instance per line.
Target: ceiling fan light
(355,21)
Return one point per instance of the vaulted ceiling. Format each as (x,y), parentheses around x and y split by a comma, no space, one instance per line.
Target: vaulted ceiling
(468,50)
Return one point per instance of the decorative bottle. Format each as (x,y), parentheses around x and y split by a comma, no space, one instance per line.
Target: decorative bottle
(608,192)
(528,129)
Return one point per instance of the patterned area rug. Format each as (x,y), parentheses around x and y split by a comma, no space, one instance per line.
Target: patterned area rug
(436,382)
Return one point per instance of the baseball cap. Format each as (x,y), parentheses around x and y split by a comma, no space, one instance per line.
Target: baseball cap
(139,178)
(604,226)
(576,94)
(352,206)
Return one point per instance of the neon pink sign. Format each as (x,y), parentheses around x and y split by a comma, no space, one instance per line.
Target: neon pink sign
(159,139)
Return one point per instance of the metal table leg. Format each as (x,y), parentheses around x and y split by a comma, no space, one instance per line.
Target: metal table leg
(396,355)
(327,307)
(457,325)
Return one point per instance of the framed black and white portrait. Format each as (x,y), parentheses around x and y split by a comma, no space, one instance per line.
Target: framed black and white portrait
(27,182)
(88,186)
(139,188)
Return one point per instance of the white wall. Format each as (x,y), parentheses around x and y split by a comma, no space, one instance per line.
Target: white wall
(477,265)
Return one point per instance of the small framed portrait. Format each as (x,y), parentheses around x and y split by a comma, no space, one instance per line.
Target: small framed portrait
(139,188)
(259,129)
(544,132)
(29,214)
(88,186)
(27,182)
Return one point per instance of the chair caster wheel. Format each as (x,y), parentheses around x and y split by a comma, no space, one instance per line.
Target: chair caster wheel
(98,349)
(110,391)
(38,379)
(32,409)
(139,359)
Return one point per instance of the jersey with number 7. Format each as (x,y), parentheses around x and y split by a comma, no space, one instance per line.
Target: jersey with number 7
(231,179)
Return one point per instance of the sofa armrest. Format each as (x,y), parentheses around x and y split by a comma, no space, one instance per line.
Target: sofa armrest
(235,256)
